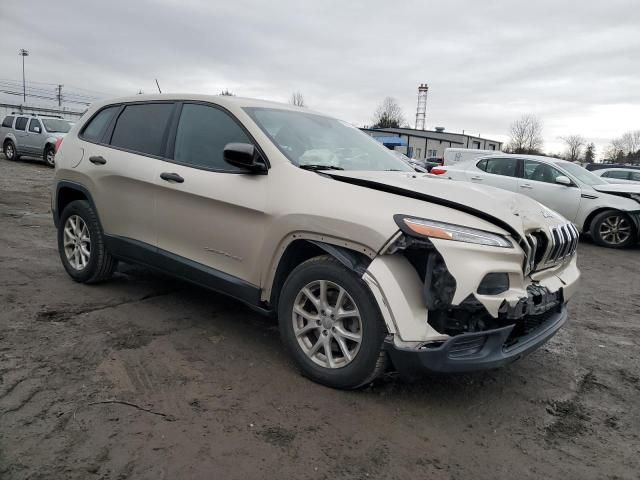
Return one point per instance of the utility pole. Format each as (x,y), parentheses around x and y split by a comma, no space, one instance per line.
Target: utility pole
(23,53)
(59,95)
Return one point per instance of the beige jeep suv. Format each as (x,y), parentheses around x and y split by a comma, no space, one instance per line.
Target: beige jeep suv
(367,263)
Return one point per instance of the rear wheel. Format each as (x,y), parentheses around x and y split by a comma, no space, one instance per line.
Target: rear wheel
(331,325)
(50,155)
(81,244)
(613,229)
(9,150)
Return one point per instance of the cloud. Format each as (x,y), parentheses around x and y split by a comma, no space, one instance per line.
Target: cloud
(571,63)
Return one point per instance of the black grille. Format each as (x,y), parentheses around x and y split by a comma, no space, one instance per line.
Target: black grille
(464,347)
(529,324)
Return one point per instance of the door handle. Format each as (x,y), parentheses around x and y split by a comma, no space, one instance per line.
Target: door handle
(476,178)
(171,177)
(526,185)
(97,160)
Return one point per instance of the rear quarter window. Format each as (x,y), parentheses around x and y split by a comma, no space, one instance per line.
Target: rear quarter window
(8,121)
(96,127)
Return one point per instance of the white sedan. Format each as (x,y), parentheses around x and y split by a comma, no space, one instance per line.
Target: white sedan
(610,213)
(619,175)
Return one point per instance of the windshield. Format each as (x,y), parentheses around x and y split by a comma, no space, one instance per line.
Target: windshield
(582,174)
(54,125)
(307,139)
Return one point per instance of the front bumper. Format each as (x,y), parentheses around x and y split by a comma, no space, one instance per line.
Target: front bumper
(479,350)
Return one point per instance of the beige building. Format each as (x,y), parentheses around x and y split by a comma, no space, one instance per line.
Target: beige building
(423,144)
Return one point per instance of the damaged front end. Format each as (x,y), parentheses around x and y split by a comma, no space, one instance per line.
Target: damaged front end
(480,309)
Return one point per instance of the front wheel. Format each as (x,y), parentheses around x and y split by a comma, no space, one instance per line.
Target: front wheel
(331,324)
(613,229)
(50,156)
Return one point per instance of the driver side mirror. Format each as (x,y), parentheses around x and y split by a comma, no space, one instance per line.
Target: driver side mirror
(245,156)
(562,180)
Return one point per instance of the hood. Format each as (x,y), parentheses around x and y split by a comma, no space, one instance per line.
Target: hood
(618,188)
(511,211)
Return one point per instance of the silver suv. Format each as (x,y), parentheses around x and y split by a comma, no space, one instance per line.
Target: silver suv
(365,261)
(32,135)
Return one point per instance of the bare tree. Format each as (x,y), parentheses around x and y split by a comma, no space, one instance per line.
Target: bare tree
(227,93)
(630,142)
(526,135)
(574,146)
(614,150)
(297,99)
(388,114)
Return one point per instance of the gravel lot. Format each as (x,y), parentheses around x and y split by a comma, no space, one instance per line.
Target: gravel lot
(145,377)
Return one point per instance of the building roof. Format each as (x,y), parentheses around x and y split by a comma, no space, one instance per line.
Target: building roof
(432,134)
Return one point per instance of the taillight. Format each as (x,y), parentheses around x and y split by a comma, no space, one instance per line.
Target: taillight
(438,170)
(58,143)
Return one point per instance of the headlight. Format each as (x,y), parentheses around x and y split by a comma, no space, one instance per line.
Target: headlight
(421,227)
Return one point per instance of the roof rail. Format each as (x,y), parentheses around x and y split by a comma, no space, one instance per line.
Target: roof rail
(37,115)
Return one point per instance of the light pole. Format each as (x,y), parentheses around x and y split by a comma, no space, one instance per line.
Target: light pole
(23,53)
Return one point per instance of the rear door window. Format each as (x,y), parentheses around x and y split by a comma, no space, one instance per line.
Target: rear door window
(96,127)
(143,128)
(620,174)
(502,166)
(202,134)
(8,121)
(33,124)
(482,165)
(21,123)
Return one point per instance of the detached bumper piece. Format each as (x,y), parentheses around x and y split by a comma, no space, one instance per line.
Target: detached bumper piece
(482,350)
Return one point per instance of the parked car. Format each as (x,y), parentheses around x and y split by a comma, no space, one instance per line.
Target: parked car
(32,135)
(303,216)
(597,166)
(609,213)
(619,175)
(417,165)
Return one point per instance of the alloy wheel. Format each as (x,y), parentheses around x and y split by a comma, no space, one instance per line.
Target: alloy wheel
(77,242)
(9,152)
(50,157)
(615,230)
(327,324)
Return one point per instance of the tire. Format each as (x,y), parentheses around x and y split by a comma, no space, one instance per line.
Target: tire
(613,229)
(368,359)
(9,150)
(49,156)
(99,264)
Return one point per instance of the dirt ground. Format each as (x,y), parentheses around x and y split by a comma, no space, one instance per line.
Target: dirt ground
(145,377)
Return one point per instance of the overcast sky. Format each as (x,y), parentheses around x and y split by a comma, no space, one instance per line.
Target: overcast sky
(575,64)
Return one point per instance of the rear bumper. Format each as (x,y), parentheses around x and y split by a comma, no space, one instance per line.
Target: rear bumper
(476,351)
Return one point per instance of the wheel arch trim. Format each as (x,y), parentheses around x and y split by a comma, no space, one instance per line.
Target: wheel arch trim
(352,255)
(66,184)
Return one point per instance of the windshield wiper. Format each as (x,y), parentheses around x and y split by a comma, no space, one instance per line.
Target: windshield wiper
(317,166)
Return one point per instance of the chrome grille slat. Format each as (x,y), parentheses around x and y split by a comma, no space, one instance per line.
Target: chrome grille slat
(562,243)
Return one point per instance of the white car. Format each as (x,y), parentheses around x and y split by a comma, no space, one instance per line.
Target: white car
(610,213)
(619,175)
